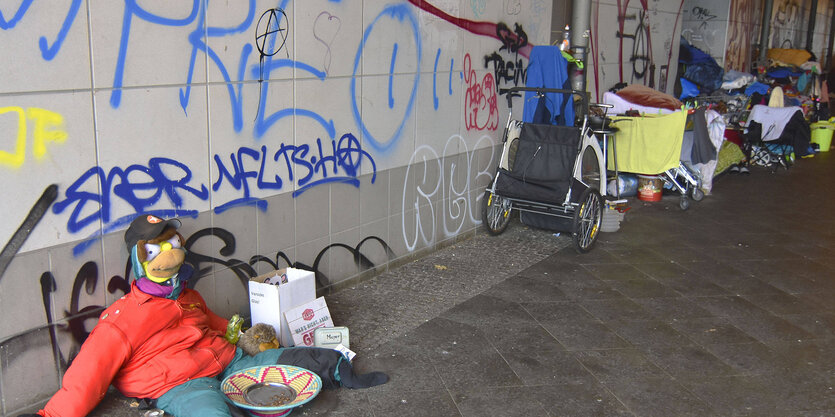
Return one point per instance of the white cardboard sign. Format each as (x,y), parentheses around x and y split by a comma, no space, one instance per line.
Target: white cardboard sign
(272,294)
(306,318)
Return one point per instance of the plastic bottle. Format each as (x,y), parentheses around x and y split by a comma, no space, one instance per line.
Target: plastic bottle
(233,329)
(566,39)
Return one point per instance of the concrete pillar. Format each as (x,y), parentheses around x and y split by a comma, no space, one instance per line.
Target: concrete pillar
(765,31)
(828,60)
(810,31)
(580,29)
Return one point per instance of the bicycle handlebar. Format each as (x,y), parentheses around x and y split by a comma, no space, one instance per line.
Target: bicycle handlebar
(583,95)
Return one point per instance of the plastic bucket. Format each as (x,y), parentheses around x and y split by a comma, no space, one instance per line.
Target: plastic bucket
(822,134)
(649,187)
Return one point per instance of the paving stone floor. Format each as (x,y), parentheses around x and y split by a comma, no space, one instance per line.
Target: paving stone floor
(725,309)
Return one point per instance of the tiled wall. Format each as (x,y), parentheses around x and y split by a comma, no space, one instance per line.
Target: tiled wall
(705,26)
(634,43)
(371,129)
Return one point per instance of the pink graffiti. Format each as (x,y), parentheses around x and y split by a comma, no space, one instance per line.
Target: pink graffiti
(479,99)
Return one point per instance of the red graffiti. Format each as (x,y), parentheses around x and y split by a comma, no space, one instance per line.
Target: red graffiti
(481,110)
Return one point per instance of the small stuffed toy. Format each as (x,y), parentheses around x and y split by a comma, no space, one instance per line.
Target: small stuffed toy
(257,339)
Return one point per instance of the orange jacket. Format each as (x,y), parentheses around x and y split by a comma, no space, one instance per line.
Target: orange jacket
(144,346)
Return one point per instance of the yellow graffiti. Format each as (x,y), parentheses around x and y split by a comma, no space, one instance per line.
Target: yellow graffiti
(48,127)
(15,159)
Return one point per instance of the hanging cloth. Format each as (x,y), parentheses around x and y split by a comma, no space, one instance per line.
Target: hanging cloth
(649,145)
(548,69)
(703,150)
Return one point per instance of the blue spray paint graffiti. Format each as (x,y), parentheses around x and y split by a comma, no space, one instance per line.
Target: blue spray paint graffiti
(264,70)
(142,187)
(48,52)
(21,11)
(391,75)
(451,63)
(305,167)
(152,181)
(198,38)
(167,182)
(198,42)
(132,9)
(400,12)
(435,80)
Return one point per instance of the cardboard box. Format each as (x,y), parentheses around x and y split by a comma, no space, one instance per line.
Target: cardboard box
(276,292)
(306,318)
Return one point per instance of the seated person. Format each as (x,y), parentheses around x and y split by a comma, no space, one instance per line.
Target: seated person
(161,341)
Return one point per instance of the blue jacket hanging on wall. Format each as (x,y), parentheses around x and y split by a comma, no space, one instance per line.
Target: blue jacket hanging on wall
(548,69)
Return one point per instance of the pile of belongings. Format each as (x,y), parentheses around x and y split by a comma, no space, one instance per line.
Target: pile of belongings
(701,72)
(778,99)
(700,144)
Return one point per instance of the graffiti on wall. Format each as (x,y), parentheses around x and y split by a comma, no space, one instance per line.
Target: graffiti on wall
(325,28)
(298,167)
(787,27)
(508,67)
(506,62)
(270,38)
(640,52)
(481,109)
(48,129)
(452,186)
(635,44)
(703,33)
(405,16)
(703,15)
(512,7)
(39,209)
(487,29)
(144,186)
(48,51)
(478,7)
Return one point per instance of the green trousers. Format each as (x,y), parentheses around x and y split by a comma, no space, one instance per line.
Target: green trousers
(202,397)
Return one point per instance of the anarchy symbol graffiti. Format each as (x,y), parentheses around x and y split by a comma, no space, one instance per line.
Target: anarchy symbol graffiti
(271,32)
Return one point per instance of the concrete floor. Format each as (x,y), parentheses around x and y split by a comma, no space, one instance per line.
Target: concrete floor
(722,310)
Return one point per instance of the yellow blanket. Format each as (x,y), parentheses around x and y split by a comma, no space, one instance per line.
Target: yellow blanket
(649,144)
(796,57)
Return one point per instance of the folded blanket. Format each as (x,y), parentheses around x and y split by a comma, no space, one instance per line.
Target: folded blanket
(796,57)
